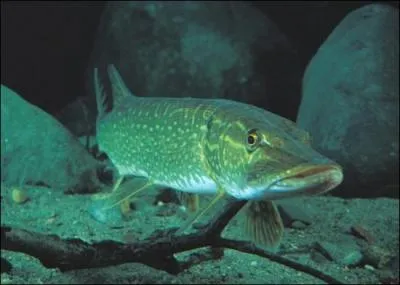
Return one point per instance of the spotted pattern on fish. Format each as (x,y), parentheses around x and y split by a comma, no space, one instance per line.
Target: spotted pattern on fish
(201,145)
(158,142)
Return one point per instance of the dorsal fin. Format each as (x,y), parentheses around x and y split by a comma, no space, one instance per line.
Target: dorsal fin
(119,89)
(100,95)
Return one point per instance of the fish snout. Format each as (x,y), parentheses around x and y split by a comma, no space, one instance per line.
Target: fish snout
(308,179)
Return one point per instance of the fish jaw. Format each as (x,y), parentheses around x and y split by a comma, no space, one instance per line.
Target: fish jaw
(305,179)
(309,180)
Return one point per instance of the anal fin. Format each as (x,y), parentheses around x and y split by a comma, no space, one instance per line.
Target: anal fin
(263,223)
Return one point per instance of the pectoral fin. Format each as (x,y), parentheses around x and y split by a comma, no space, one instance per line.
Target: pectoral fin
(263,223)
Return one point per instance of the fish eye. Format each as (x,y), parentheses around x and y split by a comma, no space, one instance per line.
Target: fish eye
(252,139)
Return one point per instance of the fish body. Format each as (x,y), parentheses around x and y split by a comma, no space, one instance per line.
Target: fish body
(206,146)
(193,145)
(161,139)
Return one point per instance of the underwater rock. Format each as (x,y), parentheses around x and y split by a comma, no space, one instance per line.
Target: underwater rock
(350,101)
(90,144)
(379,257)
(101,211)
(318,257)
(205,49)
(298,225)
(37,148)
(292,214)
(78,118)
(360,232)
(6,266)
(344,252)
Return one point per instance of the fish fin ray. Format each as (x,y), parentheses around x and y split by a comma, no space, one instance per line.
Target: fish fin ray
(101,96)
(119,89)
(119,194)
(263,223)
(200,213)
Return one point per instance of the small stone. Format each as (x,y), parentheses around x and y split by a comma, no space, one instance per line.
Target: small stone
(369,267)
(298,225)
(346,252)
(101,211)
(19,196)
(253,263)
(352,258)
(318,257)
(361,232)
(199,226)
(290,213)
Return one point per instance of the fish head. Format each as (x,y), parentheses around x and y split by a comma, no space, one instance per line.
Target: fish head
(261,155)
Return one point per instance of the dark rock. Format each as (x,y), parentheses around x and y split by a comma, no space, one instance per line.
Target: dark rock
(379,257)
(361,232)
(78,118)
(37,148)
(350,101)
(206,49)
(199,225)
(318,257)
(5,265)
(394,263)
(90,143)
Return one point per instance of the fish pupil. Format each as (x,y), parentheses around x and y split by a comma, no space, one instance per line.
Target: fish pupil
(251,139)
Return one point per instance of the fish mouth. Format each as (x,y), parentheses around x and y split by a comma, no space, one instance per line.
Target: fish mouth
(307,180)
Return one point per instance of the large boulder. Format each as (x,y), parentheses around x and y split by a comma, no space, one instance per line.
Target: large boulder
(350,101)
(206,49)
(36,148)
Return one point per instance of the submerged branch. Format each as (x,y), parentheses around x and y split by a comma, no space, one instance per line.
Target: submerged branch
(156,251)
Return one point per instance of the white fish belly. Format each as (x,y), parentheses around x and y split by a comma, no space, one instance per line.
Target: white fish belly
(192,184)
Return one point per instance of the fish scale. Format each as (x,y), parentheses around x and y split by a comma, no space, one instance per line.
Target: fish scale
(212,146)
(159,142)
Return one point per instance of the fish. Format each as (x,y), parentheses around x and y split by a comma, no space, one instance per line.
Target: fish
(219,147)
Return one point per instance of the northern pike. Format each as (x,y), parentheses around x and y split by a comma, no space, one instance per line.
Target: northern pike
(212,146)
